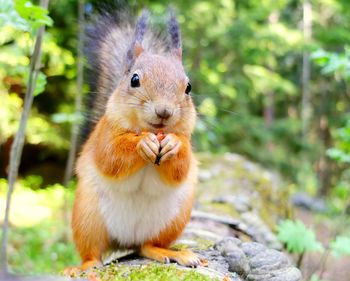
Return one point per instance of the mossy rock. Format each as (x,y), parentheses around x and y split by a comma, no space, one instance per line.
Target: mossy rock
(228,259)
(146,271)
(231,185)
(245,183)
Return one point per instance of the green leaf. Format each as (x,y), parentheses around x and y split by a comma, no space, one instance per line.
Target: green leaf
(10,17)
(35,15)
(340,246)
(40,84)
(333,63)
(297,237)
(338,155)
(321,57)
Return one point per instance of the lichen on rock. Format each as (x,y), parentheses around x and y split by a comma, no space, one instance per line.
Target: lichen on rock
(231,185)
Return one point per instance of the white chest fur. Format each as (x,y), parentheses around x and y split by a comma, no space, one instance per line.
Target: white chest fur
(138,208)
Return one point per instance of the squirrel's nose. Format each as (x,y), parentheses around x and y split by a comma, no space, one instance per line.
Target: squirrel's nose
(164,113)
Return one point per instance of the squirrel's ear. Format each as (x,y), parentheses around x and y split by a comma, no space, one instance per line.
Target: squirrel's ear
(138,49)
(136,46)
(175,35)
(177,53)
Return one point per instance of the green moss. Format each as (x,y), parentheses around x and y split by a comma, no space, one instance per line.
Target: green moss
(222,209)
(269,198)
(148,272)
(202,243)
(179,246)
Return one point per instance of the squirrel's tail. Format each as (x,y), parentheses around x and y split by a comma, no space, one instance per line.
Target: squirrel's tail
(110,36)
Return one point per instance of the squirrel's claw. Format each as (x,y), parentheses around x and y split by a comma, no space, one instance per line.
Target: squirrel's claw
(152,151)
(182,257)
(148,147)
(169,147)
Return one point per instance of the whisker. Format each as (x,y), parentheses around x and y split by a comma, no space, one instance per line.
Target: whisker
(229,111)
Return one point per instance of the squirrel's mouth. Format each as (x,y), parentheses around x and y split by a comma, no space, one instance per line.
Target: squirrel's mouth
(157,126)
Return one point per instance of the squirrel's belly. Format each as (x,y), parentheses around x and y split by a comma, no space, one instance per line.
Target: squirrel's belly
(139,208)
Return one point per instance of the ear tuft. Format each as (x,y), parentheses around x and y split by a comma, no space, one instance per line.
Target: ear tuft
(175,35)
(136,46)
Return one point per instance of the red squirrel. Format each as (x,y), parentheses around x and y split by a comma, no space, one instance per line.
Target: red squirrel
(136,171)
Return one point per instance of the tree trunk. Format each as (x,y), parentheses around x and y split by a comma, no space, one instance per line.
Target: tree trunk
(269,115)
(269,98)
(78,98)
(324,171)
(75,126)
(305,76)
(17,146)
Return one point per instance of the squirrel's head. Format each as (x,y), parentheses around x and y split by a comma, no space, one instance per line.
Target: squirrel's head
(155,93)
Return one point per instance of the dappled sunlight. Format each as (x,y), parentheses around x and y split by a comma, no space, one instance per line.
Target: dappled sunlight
(31,207)
(40,240)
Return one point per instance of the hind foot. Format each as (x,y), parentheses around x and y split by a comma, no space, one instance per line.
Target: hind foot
(182,257)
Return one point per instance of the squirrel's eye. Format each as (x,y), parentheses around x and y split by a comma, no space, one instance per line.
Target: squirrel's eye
(188,89)
(135,81)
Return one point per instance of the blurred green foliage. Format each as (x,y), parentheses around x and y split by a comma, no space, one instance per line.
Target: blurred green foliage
(338,66)
(301,240)
(19,24)
(38,236)
(297,237)
(340,193)
(341,246)
(40,249)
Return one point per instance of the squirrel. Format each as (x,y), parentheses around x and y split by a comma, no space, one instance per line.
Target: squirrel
(136,171)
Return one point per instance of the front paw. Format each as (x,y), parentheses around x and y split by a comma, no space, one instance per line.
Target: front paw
(148,147)
(169,147)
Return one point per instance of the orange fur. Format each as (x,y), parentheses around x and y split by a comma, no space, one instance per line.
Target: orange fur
(115,150)
(89,232)
(175,170)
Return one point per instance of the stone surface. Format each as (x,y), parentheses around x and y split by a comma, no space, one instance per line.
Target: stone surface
(254,261)
(235,260)
(250,195)
(304,200)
